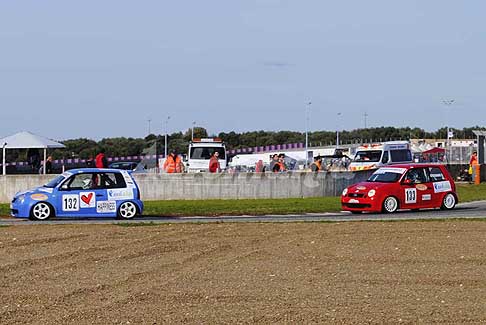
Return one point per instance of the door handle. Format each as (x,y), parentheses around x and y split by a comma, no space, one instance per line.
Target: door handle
(98,195)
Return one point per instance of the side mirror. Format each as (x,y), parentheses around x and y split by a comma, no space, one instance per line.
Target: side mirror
(407,181)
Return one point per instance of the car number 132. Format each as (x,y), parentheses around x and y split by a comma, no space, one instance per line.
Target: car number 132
(70,202)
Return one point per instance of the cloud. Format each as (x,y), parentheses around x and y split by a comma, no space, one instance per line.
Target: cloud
(277,64)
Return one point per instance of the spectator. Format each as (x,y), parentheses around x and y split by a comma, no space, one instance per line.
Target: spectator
(472,165)
(48,166)
(259,166)
(316,165)
(273,162)
(173,163)
(280,165)
(214,166)
(90,163)
(33,157)
(100,160)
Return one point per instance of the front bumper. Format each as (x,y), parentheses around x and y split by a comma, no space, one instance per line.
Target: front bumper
(365,204)
(19,210)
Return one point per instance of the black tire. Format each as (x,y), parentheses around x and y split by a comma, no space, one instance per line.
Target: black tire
(41,211)
(390,204)
(356,212)
(127,210)
(448,202)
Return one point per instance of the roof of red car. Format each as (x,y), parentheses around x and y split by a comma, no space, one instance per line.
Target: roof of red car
(415,165)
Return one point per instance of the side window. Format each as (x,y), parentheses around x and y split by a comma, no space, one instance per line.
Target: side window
(385,157)
(416,176)
(112,180)
(80,182)
(436,174)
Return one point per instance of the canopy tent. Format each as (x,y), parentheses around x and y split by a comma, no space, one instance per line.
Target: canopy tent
(434,150)
(27,140)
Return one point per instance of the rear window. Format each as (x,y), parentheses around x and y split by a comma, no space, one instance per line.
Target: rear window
(401,155)
(436,174)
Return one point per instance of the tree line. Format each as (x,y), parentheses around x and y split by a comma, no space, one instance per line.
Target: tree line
(152,144)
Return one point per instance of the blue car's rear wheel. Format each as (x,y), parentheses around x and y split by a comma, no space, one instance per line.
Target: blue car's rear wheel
(41,211)
(127,210)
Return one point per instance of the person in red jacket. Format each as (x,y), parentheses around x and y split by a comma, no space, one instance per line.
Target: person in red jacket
(214,166)
(100,160)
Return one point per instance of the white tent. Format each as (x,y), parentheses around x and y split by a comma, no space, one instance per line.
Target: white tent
(27,140)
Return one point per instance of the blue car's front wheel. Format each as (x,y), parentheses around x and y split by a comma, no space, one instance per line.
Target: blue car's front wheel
(127,210)
(41,211)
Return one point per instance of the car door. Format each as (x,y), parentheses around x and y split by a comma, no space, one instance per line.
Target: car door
(417,190)
(78,195)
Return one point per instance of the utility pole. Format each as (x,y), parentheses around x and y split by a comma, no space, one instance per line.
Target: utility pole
(192,131)
(149,120)
(307,117)
(166,131)
(448,103)
(365,120)
(337,130)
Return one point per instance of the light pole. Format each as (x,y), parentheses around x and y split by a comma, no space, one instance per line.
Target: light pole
(337,130)
(307,117)
(448,103)
(166,130)
(192,131)
(4,167)
(148,121)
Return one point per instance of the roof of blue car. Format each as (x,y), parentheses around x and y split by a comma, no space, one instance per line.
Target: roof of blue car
(94,170)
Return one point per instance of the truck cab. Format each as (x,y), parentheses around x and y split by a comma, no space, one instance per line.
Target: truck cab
(201,150)
(372,156)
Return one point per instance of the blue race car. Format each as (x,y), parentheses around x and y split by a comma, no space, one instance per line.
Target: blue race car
(87,192)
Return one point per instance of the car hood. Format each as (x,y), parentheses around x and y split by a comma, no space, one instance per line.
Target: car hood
(40,189)
(364,187)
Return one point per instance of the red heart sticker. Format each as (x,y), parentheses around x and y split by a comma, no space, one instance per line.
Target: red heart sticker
(87,198)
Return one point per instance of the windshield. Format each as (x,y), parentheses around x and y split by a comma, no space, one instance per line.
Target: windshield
(206,152)
(386,175)
(368,156)
(53,183)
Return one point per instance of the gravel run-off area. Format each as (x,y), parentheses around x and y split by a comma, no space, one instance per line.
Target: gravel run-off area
(354,272)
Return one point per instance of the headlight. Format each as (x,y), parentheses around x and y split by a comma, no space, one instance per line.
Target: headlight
(345,191)
(371,193)
(21,198)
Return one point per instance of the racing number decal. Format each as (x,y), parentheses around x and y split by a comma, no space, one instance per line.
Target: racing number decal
(410,195)
(70,202)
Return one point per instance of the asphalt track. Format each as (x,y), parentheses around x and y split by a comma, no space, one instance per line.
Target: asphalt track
(471,210)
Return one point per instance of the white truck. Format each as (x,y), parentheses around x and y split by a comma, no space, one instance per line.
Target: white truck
(371,156)
(201,150)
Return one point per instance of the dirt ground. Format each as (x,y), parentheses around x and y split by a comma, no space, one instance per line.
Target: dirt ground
(360,272)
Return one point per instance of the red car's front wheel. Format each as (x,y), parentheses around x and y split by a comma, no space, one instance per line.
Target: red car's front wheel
(390,204)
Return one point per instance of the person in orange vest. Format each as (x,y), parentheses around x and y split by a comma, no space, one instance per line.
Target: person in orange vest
(173,163)
(317,164)
(214,166)
(281,163)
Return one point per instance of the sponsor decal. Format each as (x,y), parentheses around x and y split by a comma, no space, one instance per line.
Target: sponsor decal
(128,179)
(353,201)
(46,189)
(120,194)
(105,206)
(70,202)
(410,195)
(87,199)
(396,170)
(426,197)
(421,187)
(444,186)
(39,197)
(361,188)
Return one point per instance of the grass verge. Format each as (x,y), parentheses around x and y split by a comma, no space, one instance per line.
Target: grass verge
(466,192)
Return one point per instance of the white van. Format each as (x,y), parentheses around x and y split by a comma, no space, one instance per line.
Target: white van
(371,156)
(201,150)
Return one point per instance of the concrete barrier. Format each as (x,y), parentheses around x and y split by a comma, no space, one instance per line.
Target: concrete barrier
(216,186)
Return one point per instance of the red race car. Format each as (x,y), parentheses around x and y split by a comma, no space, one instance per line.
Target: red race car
(410,186)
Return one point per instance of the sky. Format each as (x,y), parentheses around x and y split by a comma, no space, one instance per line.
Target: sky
(98,69)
